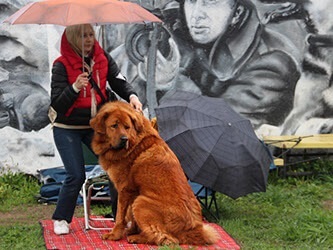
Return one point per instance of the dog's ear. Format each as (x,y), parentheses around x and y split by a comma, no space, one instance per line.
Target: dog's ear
(98,122)
(137,121)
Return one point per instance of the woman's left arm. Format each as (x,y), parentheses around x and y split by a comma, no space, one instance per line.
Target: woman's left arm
(117,81)
(120,85)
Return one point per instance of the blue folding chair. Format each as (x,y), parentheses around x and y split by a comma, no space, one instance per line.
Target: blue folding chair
(206,198)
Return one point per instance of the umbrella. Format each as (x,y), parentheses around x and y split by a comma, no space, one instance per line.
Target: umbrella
(215,145)
(99,12)
(71,12)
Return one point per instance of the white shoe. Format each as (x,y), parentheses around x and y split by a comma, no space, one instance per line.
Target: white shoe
(60,227)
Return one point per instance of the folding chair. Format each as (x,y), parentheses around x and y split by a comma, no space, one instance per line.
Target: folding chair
(206,198)
(94,182)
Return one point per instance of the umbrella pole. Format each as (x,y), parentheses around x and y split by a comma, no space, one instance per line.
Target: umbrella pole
(82,31)
(151,67)
(103,37)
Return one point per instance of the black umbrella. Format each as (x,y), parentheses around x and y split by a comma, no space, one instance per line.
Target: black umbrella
(215,145)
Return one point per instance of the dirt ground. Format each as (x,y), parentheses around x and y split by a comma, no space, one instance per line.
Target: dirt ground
(31,214)
(34,213)
(328,204)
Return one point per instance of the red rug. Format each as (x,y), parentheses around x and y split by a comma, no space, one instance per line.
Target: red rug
(79,238)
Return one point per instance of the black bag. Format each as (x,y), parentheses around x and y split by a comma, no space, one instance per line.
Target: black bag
(111,96)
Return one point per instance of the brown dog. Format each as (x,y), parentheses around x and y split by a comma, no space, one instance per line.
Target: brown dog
(152,187)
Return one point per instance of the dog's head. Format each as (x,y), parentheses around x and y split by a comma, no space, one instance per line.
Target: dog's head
(117,127)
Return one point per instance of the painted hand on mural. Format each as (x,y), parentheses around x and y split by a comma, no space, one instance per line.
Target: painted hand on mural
(166,70)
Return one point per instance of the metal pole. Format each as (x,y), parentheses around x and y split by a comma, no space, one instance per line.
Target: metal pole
(151,67)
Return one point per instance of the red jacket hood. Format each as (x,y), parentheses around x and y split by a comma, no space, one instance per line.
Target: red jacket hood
(67,51)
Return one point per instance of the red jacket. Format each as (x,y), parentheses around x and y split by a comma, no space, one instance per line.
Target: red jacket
(73,64)
(75,108)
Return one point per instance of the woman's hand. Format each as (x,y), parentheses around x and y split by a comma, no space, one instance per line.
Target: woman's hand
(81,82)
(135,103)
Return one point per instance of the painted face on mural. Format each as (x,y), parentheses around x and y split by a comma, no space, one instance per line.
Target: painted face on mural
(208,19)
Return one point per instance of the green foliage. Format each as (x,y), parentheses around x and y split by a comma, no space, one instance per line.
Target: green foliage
(16,189)
(289,215)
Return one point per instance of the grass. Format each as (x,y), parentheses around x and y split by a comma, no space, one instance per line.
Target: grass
(18,190)
(294,213)
(291,216)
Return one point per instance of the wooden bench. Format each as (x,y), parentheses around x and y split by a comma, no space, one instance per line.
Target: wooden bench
(289,144)
(279,162)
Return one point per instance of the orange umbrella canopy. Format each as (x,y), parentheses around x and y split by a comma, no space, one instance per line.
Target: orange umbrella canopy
(72,12)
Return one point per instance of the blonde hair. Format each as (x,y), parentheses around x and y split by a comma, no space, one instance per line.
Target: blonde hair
(74,35)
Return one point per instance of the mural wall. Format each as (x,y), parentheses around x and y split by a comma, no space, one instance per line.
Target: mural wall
(271,60)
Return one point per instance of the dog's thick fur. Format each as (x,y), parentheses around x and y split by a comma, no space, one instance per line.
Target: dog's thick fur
(152,188)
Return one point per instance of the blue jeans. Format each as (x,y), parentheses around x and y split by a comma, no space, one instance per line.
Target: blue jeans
(69,145)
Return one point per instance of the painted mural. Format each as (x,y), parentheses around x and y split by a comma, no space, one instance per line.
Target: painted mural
(271,60)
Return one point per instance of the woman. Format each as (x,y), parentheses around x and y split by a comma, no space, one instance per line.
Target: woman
(75,101)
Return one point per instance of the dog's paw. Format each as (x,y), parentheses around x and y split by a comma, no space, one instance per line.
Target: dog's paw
(136,239)
(169,241)
(327,96)
(111,236)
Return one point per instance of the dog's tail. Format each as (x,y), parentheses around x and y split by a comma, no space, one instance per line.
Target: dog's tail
(209,234)
(200,235)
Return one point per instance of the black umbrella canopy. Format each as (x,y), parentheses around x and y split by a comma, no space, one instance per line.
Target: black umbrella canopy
(215,145)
